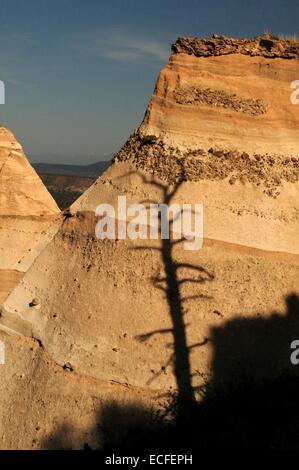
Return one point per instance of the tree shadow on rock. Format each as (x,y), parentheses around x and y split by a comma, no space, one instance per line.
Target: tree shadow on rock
(252,399)
(176,275)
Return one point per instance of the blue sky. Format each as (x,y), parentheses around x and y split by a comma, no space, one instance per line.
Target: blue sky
(79,74)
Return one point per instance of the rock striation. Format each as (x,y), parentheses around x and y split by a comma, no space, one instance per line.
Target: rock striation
(173,165)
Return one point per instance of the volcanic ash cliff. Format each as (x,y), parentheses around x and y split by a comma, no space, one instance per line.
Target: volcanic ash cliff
(220,130)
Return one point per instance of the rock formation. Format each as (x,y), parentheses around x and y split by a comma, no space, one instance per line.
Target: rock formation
(27,211)
(21,190)
(219,130)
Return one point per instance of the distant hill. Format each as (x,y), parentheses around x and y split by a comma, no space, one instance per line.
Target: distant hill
(86,171)
(67,182)
(65,189)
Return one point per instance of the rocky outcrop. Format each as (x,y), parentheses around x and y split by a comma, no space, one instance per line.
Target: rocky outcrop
(173,165)
(267,46)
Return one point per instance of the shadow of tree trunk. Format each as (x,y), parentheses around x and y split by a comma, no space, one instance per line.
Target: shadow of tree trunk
(182,367)
(172,288)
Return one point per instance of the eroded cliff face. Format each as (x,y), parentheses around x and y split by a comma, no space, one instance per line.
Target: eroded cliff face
(233,99)
(220,130)
(221,120)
